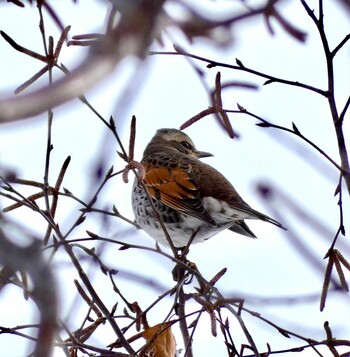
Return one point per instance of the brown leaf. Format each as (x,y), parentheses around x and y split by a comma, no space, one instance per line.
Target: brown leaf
(160,341)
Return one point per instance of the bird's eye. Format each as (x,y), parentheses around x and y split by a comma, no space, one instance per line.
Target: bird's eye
(186,145)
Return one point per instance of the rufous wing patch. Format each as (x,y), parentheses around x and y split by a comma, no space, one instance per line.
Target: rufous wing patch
(177,189)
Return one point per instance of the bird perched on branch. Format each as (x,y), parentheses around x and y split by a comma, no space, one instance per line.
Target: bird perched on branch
(186,196)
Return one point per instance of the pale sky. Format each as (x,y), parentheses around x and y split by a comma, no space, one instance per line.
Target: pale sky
(165,93)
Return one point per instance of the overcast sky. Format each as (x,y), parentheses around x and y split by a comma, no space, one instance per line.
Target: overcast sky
(165,92)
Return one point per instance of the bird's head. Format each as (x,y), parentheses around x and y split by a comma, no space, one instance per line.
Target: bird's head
(177,140)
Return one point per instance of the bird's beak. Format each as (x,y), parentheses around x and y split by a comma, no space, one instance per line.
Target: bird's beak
(201,154)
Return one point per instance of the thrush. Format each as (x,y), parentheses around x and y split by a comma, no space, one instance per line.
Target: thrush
(191,198)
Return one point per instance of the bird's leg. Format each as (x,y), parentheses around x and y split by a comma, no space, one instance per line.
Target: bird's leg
(180,272)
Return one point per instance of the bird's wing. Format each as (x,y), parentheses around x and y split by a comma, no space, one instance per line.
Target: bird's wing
(254,214)
(215,185)
(241,227)
(176,187)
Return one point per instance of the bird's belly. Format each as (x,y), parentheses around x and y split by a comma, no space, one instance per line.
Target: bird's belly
(181,231)
(180,226)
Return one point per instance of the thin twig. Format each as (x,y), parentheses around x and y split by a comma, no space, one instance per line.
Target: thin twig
(213,63)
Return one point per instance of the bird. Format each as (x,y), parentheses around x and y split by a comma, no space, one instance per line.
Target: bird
(189,198)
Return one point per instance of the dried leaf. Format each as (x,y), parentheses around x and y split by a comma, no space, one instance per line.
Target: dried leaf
(160,341)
